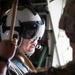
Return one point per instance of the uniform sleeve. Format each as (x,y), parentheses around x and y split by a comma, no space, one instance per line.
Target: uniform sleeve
(67,19)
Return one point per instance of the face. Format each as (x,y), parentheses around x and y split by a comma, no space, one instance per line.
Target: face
(28,46)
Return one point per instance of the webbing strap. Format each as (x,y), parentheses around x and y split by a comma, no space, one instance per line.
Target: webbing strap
(20,66)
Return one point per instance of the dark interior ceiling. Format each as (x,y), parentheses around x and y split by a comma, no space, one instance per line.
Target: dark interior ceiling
(7,4)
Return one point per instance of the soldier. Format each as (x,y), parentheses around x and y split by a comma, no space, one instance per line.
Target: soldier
(29,28)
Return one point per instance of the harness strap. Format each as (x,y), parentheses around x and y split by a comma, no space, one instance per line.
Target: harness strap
(22,67)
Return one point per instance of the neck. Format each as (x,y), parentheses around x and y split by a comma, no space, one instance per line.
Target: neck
(21,58)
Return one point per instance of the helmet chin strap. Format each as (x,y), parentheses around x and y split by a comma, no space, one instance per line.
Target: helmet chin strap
(20,41)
